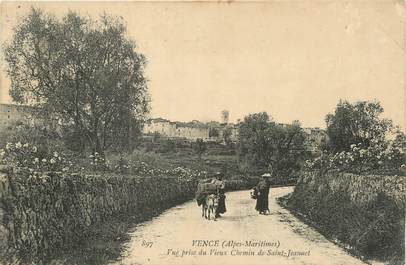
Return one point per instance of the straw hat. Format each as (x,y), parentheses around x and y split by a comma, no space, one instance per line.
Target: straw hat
(218,175)
(266,175)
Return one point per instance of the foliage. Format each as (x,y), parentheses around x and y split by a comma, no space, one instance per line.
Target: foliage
(213,132)
(360,141)
(264,144)
(364,211)
(200,147)
(254,144)
(169,146)
(74,140)
(156,137)
(227,135)
(98,162)
(355,123)
(83,72)
(29,132)
(127,136)
(140,168)
(36,160)
(7,133)
(380,157)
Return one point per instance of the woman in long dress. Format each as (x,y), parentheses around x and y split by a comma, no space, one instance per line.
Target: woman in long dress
(262,190)
(221,192)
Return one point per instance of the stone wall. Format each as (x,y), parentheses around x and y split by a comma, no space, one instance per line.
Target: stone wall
(366,212)
(40,216)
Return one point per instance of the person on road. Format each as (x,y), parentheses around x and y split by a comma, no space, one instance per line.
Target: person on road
(218,181)
(262,191)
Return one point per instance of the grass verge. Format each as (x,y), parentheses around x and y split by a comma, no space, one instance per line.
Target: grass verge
(283,202)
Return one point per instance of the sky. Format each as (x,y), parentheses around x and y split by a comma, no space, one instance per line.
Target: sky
(292,59)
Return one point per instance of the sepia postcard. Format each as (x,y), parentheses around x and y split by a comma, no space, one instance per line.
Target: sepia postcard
(202,132)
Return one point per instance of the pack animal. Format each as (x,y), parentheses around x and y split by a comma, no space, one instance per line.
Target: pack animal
(210,206)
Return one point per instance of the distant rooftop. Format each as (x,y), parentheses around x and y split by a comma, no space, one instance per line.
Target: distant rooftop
(192,124)
(16,106)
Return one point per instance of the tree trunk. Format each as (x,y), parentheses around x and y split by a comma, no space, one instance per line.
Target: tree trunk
(99,148)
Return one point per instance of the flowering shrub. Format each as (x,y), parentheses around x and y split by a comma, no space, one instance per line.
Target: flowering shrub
(383,157)
(28,156)
(141,168)
(98,162)
(37,160)
(365,211)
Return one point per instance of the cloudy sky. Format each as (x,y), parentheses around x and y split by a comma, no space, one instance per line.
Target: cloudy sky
(293,59)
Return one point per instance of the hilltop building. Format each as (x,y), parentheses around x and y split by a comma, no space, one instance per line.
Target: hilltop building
(11,113)
(190,130)
(210,131)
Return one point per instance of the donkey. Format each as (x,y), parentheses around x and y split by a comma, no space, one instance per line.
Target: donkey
(210,206)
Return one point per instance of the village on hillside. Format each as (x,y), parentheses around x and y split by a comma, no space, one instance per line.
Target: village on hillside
(178,133)
(213,131)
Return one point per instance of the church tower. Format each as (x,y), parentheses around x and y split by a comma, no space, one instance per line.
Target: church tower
(225,115)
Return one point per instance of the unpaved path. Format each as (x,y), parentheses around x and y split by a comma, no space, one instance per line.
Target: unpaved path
(172,233)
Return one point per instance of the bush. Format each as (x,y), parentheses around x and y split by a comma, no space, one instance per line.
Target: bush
(169,147)
(366,212)
(33,133)
(143,164)
(384,158)
(28,156)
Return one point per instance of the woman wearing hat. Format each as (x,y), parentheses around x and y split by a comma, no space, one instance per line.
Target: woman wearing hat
(262,190)
(218,180)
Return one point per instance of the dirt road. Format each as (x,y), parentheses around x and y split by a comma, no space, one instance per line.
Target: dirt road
(241,236)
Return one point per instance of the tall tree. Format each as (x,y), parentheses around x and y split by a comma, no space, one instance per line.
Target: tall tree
(265,144)
(84,72)
(254,143)
(356,123)
(290,148)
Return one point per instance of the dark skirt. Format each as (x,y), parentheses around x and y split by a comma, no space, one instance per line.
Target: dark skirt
(222,204)
(262,203)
